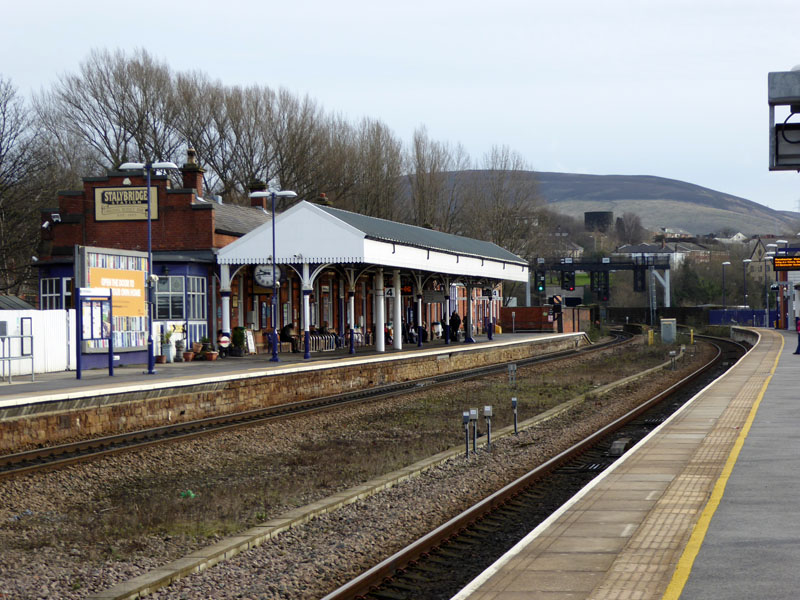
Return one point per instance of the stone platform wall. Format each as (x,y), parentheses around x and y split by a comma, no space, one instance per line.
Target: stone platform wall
(52,423)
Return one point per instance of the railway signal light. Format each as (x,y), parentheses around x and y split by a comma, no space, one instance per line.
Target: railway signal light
(603,286)
(639,279)
(540,281)
(568,281)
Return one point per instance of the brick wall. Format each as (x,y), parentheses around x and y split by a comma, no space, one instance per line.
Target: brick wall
(48,424)
(181,223)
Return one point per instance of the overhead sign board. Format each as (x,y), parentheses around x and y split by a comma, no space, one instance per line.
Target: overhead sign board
(124,203)
(786,263)
(432,296)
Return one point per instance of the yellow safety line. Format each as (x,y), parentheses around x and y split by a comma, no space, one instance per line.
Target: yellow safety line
(686,562)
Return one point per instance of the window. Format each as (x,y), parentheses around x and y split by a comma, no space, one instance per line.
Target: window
(55,293)
(68,300)
(50,293)
(169,298)
(196,297)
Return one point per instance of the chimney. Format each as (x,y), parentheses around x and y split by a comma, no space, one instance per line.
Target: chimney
(256,185)
(192,173)
(322,200)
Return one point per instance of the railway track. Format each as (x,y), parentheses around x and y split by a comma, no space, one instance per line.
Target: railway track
(439,564)
(59,456)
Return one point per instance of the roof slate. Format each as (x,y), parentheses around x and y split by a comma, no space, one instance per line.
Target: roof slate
(13,303)
(237,220)
(391,231)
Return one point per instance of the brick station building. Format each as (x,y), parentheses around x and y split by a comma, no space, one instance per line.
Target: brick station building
(187,231)
(199,293)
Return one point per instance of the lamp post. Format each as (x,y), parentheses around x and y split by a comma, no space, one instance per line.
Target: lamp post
(782,276)
(273,195)
(724,305)
(148,168)
(745,262)
(767,257)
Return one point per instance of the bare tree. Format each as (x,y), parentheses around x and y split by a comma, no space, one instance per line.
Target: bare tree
(504,208)
(21,161)
(123,108)
(435,189)
(378,170)
(297,133)
(629,229)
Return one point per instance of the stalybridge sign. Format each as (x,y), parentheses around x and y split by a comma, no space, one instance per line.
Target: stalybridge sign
(124,203)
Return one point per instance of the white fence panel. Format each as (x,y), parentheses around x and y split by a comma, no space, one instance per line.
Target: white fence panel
(53,341)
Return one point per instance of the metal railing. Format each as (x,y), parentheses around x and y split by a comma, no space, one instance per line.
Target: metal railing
(7,354)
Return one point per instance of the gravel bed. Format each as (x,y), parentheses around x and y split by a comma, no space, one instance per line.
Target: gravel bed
(46,550)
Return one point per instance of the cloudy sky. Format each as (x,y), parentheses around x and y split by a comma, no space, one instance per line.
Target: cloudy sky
(673,88)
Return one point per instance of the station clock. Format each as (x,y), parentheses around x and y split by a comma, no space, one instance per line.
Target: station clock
(263,275)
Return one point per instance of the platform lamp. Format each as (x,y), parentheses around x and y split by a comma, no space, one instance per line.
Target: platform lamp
(745,262)
(781,303)
(767,257)
(273,195)
(148,168)
(724,305)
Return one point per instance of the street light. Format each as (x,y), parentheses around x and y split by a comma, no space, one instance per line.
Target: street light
(745,262)
(148,167)
(724,305)
(767,257)
(273,195)
(781,302)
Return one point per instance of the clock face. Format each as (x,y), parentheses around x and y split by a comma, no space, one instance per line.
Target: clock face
(263,275)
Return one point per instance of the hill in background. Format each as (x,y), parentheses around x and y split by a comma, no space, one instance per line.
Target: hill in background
(660,202)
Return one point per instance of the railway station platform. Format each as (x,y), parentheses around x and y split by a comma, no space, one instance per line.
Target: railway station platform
(65,382)
(705,507)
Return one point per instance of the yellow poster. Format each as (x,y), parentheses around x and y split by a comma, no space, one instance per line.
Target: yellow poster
(127,290)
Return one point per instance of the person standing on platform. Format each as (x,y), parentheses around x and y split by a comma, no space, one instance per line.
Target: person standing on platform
(455,324)
(797,326)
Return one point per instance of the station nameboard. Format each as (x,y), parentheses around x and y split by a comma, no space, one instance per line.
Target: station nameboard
(125,204)
(786,263)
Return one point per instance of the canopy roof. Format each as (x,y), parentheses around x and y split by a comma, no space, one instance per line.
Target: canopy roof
(309,233)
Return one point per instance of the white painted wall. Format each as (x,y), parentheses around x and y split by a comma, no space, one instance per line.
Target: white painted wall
(53,341)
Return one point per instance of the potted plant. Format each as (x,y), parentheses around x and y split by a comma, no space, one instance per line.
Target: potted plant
(180,347)
(188,356)
(206,344)
(166,346)
(237,341)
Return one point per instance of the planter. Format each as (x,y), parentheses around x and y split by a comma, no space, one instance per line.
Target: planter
(212,355)
(236,351)
(180,347)
(161,359)
(188,356)
(168,351)
(197,347)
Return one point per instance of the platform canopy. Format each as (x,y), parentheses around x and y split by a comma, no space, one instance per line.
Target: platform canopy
(310,233)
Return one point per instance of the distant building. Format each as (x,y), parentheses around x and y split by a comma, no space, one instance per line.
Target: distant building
(598,220)
(737,238)
(672,233)
(676,253)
